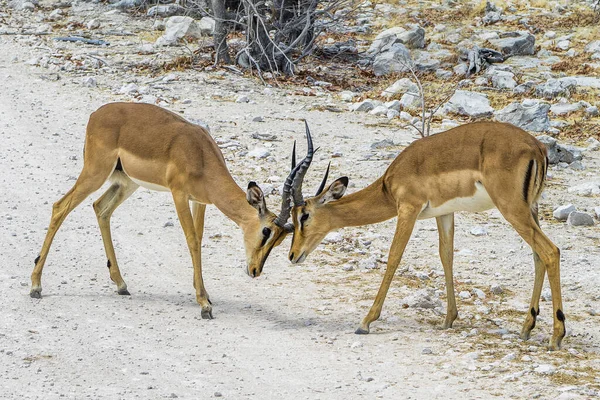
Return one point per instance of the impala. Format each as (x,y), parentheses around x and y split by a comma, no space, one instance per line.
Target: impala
(136,145)
(474,167)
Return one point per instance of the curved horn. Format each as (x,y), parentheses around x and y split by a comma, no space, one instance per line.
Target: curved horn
(301,170)
(286,196)
(324,180)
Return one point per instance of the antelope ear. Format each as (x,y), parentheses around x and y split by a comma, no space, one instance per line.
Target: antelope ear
(256,198)
(335,191)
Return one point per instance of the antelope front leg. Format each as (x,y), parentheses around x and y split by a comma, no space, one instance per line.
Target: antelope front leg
(445,225)
(406,221)
(198,211)
(187,223)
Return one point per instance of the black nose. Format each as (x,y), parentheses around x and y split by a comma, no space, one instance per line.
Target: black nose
(291,256)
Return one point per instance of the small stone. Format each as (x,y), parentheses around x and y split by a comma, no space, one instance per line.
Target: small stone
(597,212)
(168,224)
(464,295)
(348,267)
(93,24)
(426,350)
(242,99)
(369,263)
(333,237)
(496,289)
(577,218)
(259,152)
(356,345)
(379,110)
(366,105)
(479,293)
(218,394)
(509,357)
(545,369)
(258,119)
(561,213)
(479,231)
(89,81)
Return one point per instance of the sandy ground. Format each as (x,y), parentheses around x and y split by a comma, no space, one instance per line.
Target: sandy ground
(288,334)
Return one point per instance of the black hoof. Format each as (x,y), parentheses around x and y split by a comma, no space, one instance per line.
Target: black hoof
(206,314)
(124,292)
(35,294)
(361,331)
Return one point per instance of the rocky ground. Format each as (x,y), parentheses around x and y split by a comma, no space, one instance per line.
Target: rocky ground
(289,333)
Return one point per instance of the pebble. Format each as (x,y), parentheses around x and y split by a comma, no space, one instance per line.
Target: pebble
(546,294)
(218,394)
(259,152)
(426,350)
(577,218)
(356,345)
(561,213)
(242,99)
(545,369)
(464,295)
(496,289)
(479,231)
(168,224)
(479,293)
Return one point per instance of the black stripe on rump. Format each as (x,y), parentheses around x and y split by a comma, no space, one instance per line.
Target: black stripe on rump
(527,182)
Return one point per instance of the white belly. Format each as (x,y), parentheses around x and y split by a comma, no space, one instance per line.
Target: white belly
(151,186)
(480,201)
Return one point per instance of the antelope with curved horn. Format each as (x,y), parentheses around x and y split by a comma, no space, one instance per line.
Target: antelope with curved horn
(498,165)
(136,145)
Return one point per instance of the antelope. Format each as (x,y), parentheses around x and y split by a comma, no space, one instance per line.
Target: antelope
(473,167)
(144,145)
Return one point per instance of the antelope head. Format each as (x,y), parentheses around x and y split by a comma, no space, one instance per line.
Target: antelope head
(310,216)
(269,230)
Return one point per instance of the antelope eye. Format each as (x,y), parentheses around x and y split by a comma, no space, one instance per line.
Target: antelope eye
(266,232)
(304,217)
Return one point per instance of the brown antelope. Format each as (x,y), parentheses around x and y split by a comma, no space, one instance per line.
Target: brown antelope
(474,167)
(136,145)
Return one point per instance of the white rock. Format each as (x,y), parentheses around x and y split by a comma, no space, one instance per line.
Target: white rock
(242,99)
(545,369)
(207,26)
(471,104)
(259,152)
(179,28)
(479,293)
(130,88)
(369,263)
(379,110)
(347,96)
(464,295)
(400,86)
(93,24)
(333,237)
(496,289)
(479,231)
(561,213)
(546,294)
(577,218)
(89,81)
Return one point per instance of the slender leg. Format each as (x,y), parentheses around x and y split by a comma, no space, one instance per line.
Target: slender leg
(407,215)
(104,208)
(198,210)
(445,225)
(523,220)
(187,223)
(540,272)
(88,182)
